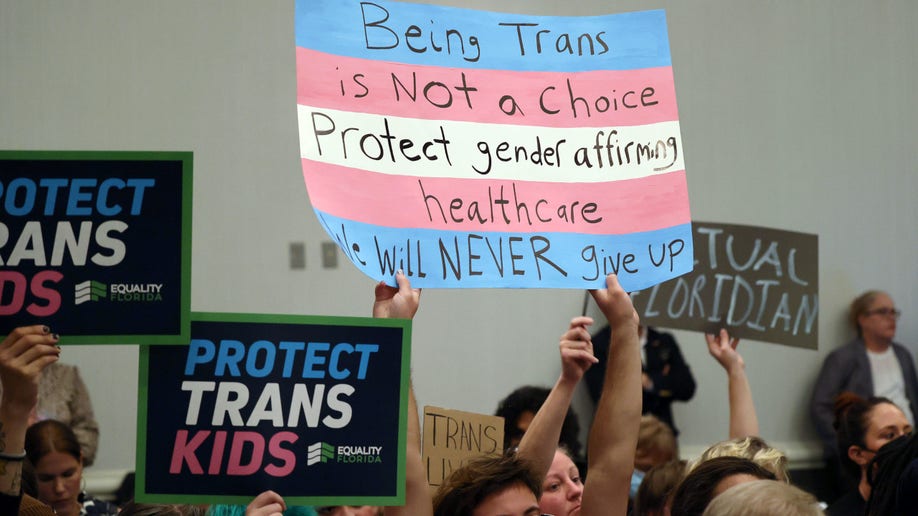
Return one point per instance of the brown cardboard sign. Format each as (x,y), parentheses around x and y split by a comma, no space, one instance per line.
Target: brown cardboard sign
(758,283)
(452,437)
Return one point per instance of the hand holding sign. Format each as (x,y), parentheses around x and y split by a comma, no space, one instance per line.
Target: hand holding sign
(577,350)
(615,304)
(396,303)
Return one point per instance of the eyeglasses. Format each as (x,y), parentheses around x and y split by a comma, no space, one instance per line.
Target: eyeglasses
(885,312)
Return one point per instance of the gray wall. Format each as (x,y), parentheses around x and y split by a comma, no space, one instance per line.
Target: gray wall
(795,115)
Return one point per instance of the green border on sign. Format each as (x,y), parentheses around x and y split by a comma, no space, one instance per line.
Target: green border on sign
(186,157)
(404,384)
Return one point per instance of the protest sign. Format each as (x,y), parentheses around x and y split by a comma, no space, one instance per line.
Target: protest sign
(96,245)
(759,283)
(481,149)
(314,408)
(453,437)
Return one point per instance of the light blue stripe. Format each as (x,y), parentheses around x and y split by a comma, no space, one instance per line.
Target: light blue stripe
(377,245)
(346,27)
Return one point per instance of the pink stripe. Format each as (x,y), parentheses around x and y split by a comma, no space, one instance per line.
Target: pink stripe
(321,78)
(627,206)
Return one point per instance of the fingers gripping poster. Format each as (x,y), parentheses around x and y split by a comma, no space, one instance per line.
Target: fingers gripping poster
(481,149)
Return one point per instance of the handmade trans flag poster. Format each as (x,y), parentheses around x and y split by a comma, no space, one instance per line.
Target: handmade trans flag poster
(481,149)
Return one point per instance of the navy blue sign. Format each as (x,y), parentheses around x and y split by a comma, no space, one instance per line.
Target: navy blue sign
(313,408)
(97,245)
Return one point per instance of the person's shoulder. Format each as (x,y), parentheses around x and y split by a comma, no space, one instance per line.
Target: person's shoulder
(96,507)
(31,507)
(849,349)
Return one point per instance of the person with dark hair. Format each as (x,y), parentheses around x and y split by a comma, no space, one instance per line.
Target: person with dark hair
(521,405)
(53,449)
(490,486)
(711,478)
(657,488)
(665,375)
(872,364)
(893,476)
(862,426)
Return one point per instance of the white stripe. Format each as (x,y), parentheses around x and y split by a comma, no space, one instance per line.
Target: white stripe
(465,155)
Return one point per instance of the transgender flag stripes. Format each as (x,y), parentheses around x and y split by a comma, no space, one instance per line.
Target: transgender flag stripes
(479,149)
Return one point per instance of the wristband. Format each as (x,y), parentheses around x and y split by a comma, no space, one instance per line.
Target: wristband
(18,457)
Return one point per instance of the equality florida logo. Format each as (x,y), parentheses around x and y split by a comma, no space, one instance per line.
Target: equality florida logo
(321,452)
(94,291)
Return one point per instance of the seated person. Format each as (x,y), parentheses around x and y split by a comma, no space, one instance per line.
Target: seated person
(24,353)
(872,364)
(53,449)
(764,498)
(752,448)
(656,446)
(518,409)
(490,486)
(711,478)
(654,496)
(665,377)
(863,426)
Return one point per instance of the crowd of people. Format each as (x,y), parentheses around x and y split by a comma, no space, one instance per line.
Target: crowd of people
(863,406)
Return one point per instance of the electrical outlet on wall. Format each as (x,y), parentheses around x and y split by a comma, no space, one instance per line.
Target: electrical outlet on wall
(297,255)
(329,255)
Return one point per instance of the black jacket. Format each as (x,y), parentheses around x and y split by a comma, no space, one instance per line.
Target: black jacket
(672,378)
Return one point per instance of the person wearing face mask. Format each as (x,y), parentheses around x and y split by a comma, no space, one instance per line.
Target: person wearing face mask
(872,364)
(862,427)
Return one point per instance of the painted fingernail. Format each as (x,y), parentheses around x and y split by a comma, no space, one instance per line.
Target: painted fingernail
(45,330)
(55,336)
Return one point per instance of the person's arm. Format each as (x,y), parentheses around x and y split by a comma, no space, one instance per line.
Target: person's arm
(743,420)
(402,303)
(541,438)
(675,380)
(613,436)
(23,354)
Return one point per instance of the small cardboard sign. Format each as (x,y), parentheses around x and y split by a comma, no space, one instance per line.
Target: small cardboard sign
(314,408)
(96,245)
(758,283)
(452,437)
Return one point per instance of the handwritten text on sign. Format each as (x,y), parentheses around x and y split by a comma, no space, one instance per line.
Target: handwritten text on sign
(479,149)
(453,437)
(759,283)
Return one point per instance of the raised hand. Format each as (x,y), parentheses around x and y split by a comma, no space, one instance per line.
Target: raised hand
(615,304)
(723,348)
(576,349)
(268,503)
(396,303)
(24,353)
